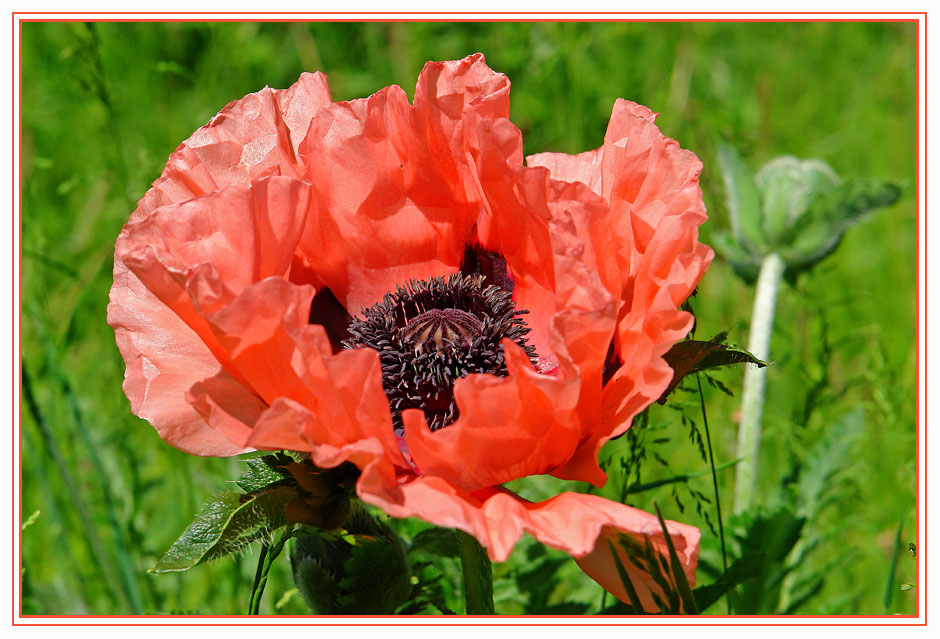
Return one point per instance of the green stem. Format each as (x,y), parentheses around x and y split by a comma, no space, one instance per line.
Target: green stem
(269,552)
(711,462)
(752,396)
(477,575)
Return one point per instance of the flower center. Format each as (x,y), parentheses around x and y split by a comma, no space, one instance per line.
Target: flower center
(431,333)
(447,328)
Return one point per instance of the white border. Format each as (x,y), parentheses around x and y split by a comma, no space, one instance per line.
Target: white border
(10,270)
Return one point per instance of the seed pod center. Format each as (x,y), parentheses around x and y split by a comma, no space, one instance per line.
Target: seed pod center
(431,333)
(441,329)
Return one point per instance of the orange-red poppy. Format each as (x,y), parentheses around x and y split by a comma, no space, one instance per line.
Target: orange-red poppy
(334,277)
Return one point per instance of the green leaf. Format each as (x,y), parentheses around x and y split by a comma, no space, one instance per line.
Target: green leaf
(317,585)
(227,524)
(773,534)
(477,575)
(376,580)
(261,472)
(746,264)
(822,464)
(690,356)
(746,567)
(743,201)
(821,230)
(361,572)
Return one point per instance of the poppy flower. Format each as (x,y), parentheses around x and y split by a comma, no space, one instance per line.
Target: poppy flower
(389,284)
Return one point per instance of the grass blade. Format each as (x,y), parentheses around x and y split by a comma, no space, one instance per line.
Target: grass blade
(639,488)
(126,570)
(627,583)
(94,542)
(889,588)
(711,462)
(678,574)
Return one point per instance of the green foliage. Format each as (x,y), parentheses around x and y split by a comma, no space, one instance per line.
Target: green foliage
(261,473)
(773,535)
(105,104)
(477,575)
(799,209)
(678,574)
(816,234)
(226,525)
(362,572)
(435,541)
(691,356)
(748,567)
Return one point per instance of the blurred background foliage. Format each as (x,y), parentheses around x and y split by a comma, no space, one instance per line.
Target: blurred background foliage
(105,104)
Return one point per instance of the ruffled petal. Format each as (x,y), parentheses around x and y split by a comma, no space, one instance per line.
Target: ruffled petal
(552,235)
(395,200)
(600,566)
(245,233)
(250,138)
(169,269)
(654,184)
(330,405)
(651,186)
(334,400)
(451,98)
(164,358)
(583,167)
(578,524)
(509,427)
(287,424)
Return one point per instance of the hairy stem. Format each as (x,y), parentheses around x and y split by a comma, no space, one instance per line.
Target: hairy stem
(477,575)
(269,552)
(752,400)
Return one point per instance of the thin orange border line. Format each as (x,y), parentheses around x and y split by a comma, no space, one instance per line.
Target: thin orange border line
(917,182)
(16,153)
(477,13)
(496,20)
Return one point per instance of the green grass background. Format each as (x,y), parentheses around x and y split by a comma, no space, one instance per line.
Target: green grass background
(105,104)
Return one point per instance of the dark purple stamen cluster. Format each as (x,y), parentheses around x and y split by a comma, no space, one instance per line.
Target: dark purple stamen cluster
(431,333)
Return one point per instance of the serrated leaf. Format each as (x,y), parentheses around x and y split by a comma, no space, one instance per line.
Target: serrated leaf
(319,589)
(743,201)
(825,460)
(261,472)
(227,524)
(821,230)
(689,356)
